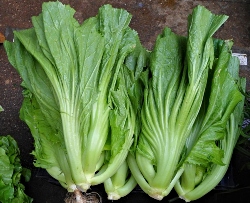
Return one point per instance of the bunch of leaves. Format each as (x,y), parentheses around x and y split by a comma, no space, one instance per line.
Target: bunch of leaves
(11,172)
(127,97)
(189,123)
(75,99)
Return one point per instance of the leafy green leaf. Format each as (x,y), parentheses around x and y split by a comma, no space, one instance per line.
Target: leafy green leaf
(11,190)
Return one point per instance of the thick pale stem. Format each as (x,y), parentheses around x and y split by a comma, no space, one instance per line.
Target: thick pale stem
(146,167)
(173,182)
(73,147)
(188,177)
(113,166)
(137,173)
(99,131)
(119,178)
(128,187)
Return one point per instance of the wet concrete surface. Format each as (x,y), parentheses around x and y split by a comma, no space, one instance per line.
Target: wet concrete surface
(149,18)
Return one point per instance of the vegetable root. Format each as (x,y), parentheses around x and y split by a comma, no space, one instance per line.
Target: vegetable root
(78,197)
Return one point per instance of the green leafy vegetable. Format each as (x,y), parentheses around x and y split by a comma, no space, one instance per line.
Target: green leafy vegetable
(69,73)
(11,188)
(210,156)
(188,101)
(127,99)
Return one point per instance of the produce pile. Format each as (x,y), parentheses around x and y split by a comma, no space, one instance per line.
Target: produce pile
(103,109)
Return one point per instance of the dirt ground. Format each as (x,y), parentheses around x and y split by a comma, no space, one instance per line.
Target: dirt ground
(149,18)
